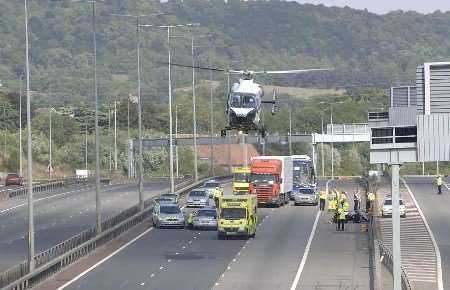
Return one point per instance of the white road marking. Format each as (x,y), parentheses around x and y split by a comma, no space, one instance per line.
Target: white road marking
(105,259)
(436,247)
(36,200)
(47,197)
(305,254)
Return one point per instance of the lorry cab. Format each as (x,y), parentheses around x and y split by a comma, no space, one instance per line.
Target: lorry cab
(237,216)
(271,179)
(241,176)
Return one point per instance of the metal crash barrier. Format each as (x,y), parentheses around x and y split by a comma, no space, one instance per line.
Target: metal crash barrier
(59,256)
(386,257)
(22,191)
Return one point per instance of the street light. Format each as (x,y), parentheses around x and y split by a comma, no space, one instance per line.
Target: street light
(50,166)
(97,131)
(194,102)
(20,127)
(138,17)
(176,138)
(29,152)
(86,147)
(168,27)
(290,130)
(323,159)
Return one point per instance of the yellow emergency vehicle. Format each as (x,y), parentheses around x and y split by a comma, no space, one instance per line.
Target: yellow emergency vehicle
(237,216)
(241,176)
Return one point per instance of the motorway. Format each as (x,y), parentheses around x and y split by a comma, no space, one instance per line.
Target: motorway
(192,259)
(436,209)
(60,215)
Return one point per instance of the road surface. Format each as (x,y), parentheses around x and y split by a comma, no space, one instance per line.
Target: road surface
(193,259)
(60,215)
(436,209)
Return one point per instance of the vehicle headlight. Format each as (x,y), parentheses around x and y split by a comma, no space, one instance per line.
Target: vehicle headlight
(242,228)
(202,200)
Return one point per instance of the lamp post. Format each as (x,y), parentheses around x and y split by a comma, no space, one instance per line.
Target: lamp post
(176,138)
(332,137)
(29,152)
(331,144)
(194,101)
(169,27)
(50,166)
(20,128)
(97,130)
(115,134)
(137,18)
(290,130)
(323,159)
(86,147)
(4,131)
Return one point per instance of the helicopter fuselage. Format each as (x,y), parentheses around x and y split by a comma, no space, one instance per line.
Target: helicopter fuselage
(244,105)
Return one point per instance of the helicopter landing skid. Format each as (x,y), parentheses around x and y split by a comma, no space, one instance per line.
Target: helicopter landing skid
(262,131)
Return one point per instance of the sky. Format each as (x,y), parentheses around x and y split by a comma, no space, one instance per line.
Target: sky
(384,6)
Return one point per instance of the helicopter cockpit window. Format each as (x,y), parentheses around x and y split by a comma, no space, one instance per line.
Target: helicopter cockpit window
(248,101)
(235,101)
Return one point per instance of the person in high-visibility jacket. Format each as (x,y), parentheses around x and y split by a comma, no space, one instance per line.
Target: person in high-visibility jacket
(342,197)
(439,182)
(322,200)
(217,194)
(345,205)
(332,201)
(369,201)
(189,220)
(340,219)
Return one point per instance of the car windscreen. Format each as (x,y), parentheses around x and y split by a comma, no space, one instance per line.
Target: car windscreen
(207,213)
(240,177)
(212,184)
(233,213)
(389,202)
(306,191)
(169,195)
(262,178)
(164,199)
(197,193)
(169,210)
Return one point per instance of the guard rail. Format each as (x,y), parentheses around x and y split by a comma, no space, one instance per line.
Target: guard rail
(47,186)
(386,257)
(56,258)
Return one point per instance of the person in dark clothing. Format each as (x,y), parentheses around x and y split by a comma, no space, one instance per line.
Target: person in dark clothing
(356,202)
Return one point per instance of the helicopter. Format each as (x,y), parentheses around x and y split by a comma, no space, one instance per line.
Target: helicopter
(245,99)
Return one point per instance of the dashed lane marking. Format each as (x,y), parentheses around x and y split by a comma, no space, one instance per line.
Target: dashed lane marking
(305,253)
(105,259)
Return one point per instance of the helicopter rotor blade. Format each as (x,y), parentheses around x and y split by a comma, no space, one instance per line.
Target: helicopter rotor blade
(196,66)
(235,71)
(292,71)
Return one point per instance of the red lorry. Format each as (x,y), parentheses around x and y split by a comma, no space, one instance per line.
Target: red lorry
(271,179)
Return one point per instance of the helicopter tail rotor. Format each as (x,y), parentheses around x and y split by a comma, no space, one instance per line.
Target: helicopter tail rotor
(274,102)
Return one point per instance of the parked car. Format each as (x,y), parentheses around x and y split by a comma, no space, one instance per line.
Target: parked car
(204,218)
(13,179)
(197,198)
(306,195)
(167,215)
(172,196)
(210,186)
(163,200)
(386,209)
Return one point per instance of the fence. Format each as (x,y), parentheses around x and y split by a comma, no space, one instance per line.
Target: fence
(54,259)
(22,191)
(386,257)
(383,254)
